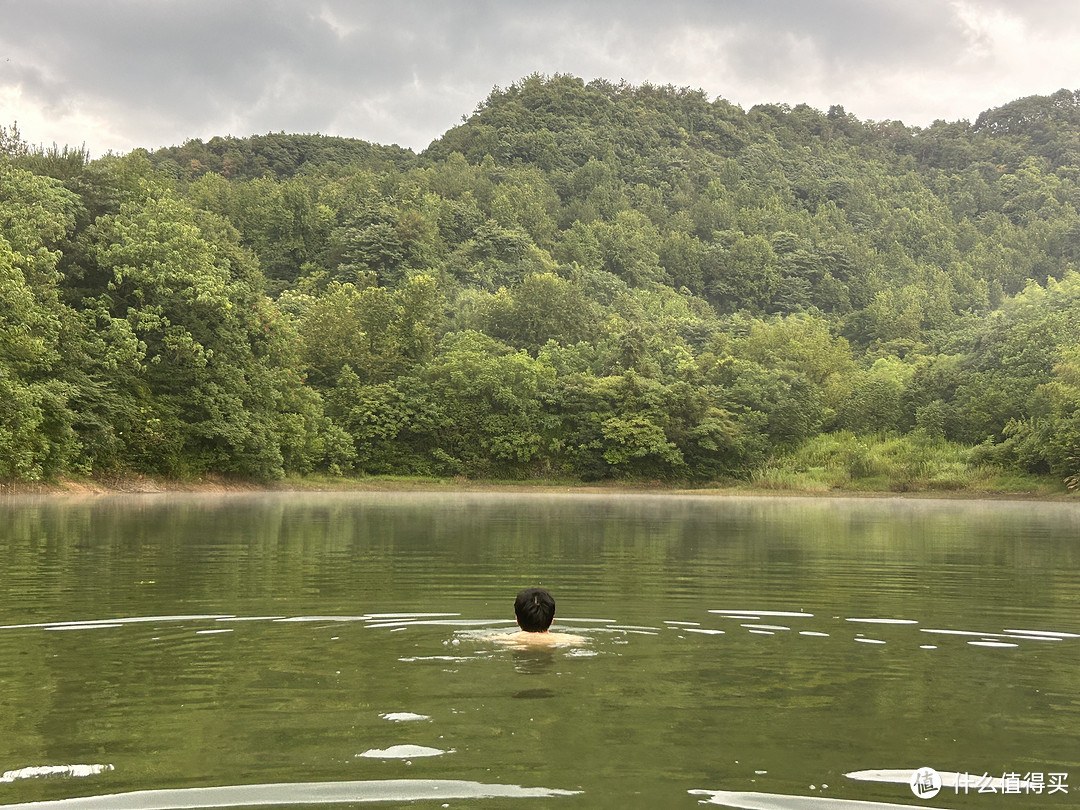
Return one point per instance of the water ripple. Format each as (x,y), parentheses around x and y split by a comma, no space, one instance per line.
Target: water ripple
(783,801)
(38,771)
(294,793)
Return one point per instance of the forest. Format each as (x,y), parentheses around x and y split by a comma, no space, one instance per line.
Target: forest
(582,281)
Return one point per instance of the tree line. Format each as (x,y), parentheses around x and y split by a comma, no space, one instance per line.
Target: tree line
(582,280)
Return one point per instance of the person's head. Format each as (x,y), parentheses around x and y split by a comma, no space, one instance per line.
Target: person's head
(534,608)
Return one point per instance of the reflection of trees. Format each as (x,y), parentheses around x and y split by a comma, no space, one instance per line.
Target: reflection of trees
(68,559)
(281,688)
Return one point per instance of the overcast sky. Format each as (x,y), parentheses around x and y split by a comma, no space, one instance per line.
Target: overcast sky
(118,74)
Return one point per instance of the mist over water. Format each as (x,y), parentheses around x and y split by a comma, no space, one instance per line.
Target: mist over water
(733,645)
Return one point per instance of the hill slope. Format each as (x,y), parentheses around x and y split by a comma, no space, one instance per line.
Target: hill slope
(588,280)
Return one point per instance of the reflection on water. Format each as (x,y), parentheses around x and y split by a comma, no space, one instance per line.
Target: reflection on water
(947,779)
(403,717)
(773,801)
(297,793)
(749,650)
(539,661)
(40,771)
(533,694)
(403,752)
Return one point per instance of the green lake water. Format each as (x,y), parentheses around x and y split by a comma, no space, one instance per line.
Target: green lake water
(332,650)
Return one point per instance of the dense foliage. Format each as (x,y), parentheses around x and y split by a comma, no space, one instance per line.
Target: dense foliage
(583,280)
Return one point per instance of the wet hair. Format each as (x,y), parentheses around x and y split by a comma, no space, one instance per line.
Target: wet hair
(534,608)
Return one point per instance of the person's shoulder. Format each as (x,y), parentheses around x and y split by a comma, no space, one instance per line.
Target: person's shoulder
(564,638)
(548,639)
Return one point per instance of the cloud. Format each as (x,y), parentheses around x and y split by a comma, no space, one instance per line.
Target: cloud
(127,73)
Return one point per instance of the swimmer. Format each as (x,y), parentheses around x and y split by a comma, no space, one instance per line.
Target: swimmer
(535,609)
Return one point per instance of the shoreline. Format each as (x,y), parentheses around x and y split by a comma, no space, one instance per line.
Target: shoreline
(215,485)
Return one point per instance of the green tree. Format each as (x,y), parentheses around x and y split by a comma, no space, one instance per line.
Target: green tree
(542,307)
(876,402)
(216,387)
(36,213)
(489,419)
(377,332)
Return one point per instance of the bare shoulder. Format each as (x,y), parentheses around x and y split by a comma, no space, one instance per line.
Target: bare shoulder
(548,639)
(561,638)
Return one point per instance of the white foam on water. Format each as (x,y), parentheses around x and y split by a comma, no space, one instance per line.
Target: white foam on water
(762,632)
(992,644)
(927,646)
(883,621)
(813,633)
(211,632)
(1033,638)
(588,621)
(765,626)
(413,658)
(703,630)
(685,624)
(870,640)
(39,771)
(404,752)
(762,613)
(404,717)
(298,793)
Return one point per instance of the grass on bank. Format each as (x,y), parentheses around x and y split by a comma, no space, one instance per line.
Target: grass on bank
(837,463)
(911,463)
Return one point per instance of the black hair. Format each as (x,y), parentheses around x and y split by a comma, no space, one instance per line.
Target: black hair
(534,608)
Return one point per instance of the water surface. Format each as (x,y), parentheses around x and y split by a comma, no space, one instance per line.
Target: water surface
(333,649)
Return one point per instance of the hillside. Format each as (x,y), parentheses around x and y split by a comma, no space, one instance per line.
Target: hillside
(588,281)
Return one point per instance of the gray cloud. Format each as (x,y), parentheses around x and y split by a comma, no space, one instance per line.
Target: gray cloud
(129,73)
